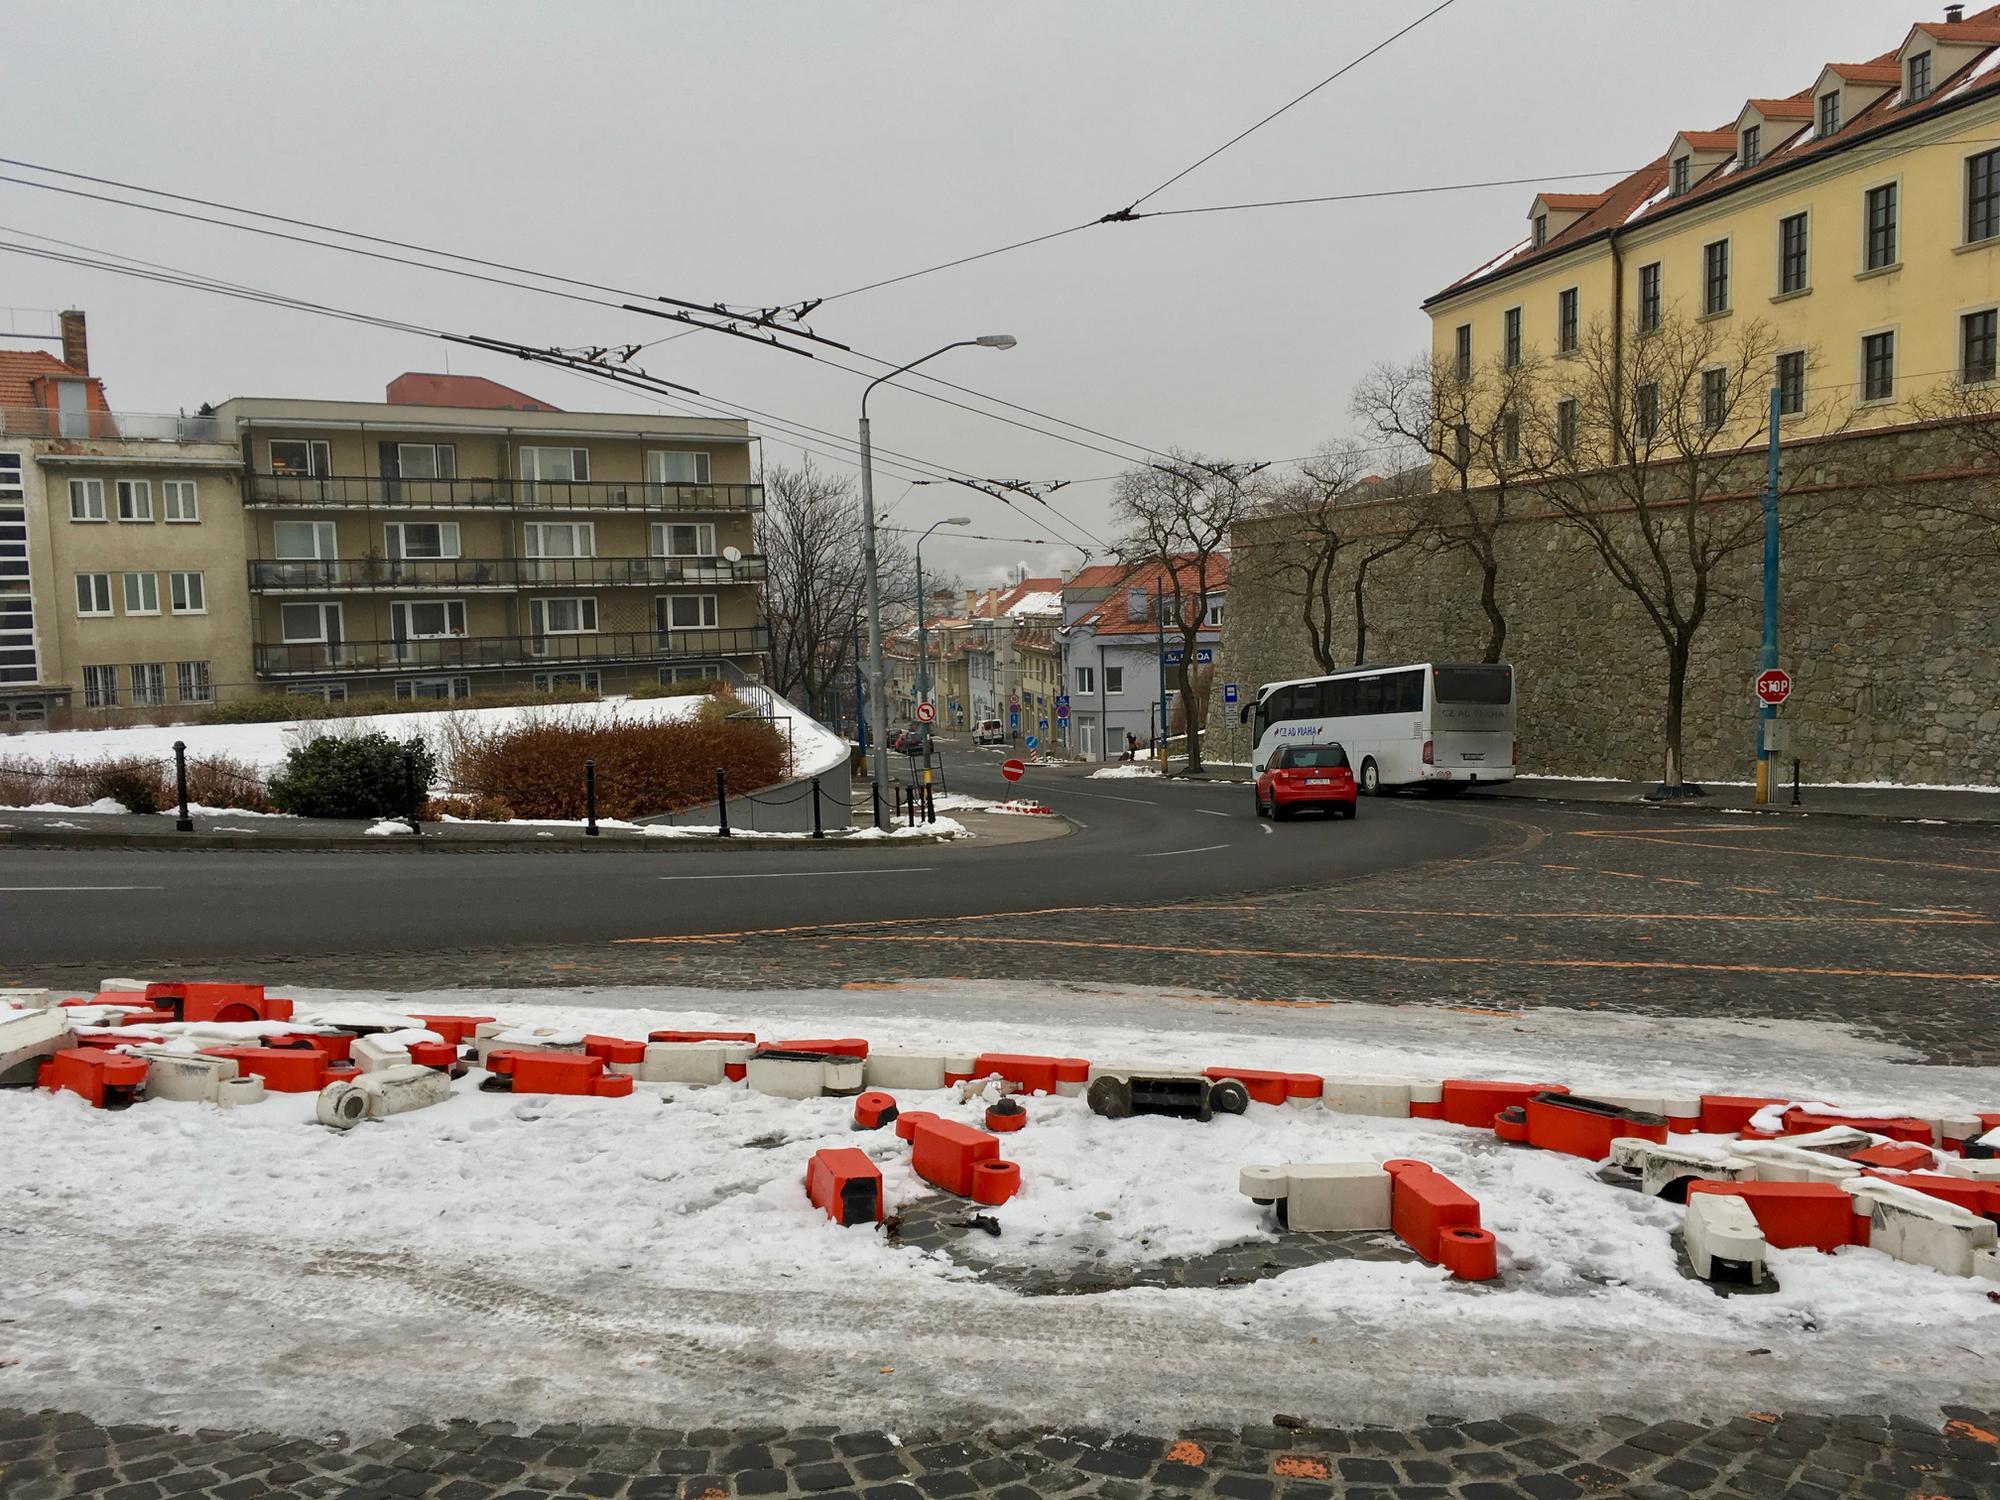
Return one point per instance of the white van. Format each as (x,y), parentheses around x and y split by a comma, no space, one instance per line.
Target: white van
(989,732)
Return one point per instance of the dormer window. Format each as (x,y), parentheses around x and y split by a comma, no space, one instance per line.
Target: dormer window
(1541,234)
(1753,138)
(1683,171)
(1829,113)
(1918,83)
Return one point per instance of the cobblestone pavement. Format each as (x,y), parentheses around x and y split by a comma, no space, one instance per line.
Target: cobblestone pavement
(1753,1456)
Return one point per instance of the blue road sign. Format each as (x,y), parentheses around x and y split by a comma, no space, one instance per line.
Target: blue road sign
(1032,743)
(1229,692)
(1203,655)
(1014,718)
(1062,712)
(1045,726)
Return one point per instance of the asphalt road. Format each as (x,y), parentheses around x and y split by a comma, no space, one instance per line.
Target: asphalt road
(1137,842)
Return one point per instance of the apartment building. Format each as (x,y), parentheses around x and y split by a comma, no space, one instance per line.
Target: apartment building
(121,576)
(1001,680)
(1117,634)
(1854,214)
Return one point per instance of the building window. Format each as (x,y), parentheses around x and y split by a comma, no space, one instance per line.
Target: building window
(179,499)
(1829,113)
(309,624)
(683,539)
(1511,339)
(1566,424)
(589,682)
(1683,173)
(560,538)
(1464,358)
(1982,196)
(1977,347)
(1878,367)
(1753,142)
(1646,411)
(18,661)
(422,540)
(100,687)
(427,619)
(1114,680)
(305,540)
(426,461)
(1792,383)
(1461,444)
(1510,436)
(562,616)
(86,499)
(1881,220)
(142,593)
(192,680)
(186,594)
(135,499)
(1649,297)
(1212,620)
(1086,680)
(434,689)
(1715,277)
(1541,234)
(562,465)
(93,593)
(665,467)
(1566,320)
(704,671)
(300,456)
(1920,79)
(1714,398)
(686,612)
(149,684)
(1792,254)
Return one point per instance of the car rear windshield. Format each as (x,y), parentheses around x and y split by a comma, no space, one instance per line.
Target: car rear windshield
(1316,758)
(1475,684)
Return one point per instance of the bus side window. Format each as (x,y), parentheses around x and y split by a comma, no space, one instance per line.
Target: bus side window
(1340,698)
(1410,692)
(1372,696)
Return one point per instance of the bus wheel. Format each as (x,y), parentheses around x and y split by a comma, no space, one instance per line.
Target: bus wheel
(1371,779)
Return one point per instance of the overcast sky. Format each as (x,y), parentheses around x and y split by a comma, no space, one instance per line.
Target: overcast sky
(760,153)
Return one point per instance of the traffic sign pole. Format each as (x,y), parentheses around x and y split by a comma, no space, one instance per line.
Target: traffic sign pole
(1767,711)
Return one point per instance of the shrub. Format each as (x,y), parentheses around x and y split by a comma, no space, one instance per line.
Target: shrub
(351,776)
(26,782)
(136,784)
(278,708)
(643,768)
(671,689)
(479,809)
(219,781)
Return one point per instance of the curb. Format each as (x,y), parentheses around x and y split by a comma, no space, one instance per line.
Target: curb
(569,841)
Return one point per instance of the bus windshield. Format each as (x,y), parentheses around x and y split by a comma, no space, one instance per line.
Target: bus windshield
(1474,684)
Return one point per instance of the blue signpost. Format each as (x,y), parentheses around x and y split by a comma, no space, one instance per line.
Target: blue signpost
(1229,692)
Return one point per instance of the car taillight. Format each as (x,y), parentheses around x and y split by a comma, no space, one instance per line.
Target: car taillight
(1427,754)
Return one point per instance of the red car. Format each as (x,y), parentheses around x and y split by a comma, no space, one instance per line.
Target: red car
(1306,776)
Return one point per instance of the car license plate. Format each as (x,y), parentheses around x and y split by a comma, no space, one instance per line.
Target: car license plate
(1318,781)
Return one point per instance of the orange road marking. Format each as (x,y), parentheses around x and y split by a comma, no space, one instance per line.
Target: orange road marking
(1422,958)
(1675,880)
(1754,890)
(982,916)
(1562,867)
(1858,859)
(1620,874)
(1847,900)
(1940,920)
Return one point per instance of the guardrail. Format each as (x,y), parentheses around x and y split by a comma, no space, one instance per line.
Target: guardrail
(114,426)
(362,574)
(461,652)
(353,492)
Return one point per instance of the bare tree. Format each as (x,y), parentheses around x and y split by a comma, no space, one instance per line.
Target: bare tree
(1178,515)
(1315,531)
(1970,411)
(1653,455)
(1475,424)
(1406,528)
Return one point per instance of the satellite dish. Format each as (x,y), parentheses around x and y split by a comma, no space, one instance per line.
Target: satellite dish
(732,554)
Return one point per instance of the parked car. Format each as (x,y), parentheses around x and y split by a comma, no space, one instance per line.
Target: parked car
(909,740)
(990,732)
(1299,776)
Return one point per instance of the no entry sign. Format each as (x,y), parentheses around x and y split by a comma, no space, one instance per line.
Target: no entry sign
(926,713)
(1014,770)
(1774,686)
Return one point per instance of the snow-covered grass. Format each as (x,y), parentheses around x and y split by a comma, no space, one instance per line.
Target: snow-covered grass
(1124,771)
(654,1258)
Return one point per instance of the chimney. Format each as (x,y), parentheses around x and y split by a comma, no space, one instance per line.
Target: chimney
(75,342)
(971,603)
(1954,13)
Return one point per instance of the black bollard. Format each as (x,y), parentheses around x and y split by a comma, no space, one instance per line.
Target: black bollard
(722,802)
(590,798)
(183,824)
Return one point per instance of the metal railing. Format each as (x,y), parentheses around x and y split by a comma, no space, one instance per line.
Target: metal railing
(361,574)
(114,426)
(462,652)
(352,492)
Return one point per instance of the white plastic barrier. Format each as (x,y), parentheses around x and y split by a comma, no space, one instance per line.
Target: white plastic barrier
(898,1069)
(29,999)
(192,1077)
(395,1090)
(234,1091)
(1986,1263)
(1721,1227)
(1979,1169)
(1920,1229)
(685,1062)
(1660,1167)
(498,1036)
(1778,1162)
(1682,1112)
(128,986)
(25,1039)
(1833,1140)
(1362,1094)
(372,1054)
(804,1077)
(1312,1197)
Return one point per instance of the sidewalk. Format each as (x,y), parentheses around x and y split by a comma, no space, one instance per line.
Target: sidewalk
(1914,804)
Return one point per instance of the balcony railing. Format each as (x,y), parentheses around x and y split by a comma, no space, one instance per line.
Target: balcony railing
(348,492)
(464,652)
(379,574)
(114,426)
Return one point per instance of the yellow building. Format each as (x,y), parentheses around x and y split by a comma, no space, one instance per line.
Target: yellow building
(1853,224)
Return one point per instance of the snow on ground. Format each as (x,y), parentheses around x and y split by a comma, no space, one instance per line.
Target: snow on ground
(654,1258)
(1124,770)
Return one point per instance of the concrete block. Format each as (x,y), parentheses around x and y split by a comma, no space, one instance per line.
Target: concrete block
(898,1068)
(683,1062)
(1660,1167)
(1780,1161)
(804,1076)
(1362,1094)
(372,1054)
(1835,1140)
(1925,1231)
(1314,1197)
(193,1077)
(1723,1239)
(26,1039)
(393,1090)
(492,1036)
(234,1091)
(1979,1170)
(41,1000)
(1426,1099)
(1986,1264)
(124,986)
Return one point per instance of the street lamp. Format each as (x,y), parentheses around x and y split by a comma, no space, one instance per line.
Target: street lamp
(878,693)
(923,670)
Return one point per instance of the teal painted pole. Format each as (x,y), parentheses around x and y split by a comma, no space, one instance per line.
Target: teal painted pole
(1766,712)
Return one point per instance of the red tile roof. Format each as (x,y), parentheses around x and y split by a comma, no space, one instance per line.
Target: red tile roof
(1102,576)
(1798,107)
(1638,196)
(421,388)
(25,372)
(1110,617)
(1568,201)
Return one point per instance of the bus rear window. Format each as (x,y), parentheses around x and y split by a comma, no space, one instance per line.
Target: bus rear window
(1475,684)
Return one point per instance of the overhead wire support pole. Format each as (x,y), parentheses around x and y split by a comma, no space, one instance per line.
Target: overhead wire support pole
(1767,713)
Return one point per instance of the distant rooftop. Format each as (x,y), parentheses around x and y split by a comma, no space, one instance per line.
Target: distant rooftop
(424,388)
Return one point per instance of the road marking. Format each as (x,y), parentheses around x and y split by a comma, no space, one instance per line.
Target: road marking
(1169,853)
(6,889)
(793,874)
(1212,813)
(1070,791)
(1267,828)
(1918,919)
(1857,859)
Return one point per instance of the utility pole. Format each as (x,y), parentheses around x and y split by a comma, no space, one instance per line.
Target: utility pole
(860,703)
(1767,713)
(1160,633)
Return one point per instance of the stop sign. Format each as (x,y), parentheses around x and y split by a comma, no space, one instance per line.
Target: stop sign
(1014,770)
(1774,686)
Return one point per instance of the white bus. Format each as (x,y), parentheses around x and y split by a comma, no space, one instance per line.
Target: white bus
(1442,724)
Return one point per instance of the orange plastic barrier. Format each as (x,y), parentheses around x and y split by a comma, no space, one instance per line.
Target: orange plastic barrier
(945,1152)
(846,1185)
(614,1049)
(1037,1075)
(1896,1156)
(1270,1087)
(1966,1192)
(1726,1114)
(1797,1215)
(1004,1116)
(874,1109)
(994,1182)
(108,1080)
(335,1046)
(1577,1126)
(832,1046)
(211,1001)
(527,1071)
(1424,1203)
(1896,1127)
(433,1054)
(1476,1101)
(1470,1254)
(702,1036)
(121,1037)
(457,1030)
(285,1070)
